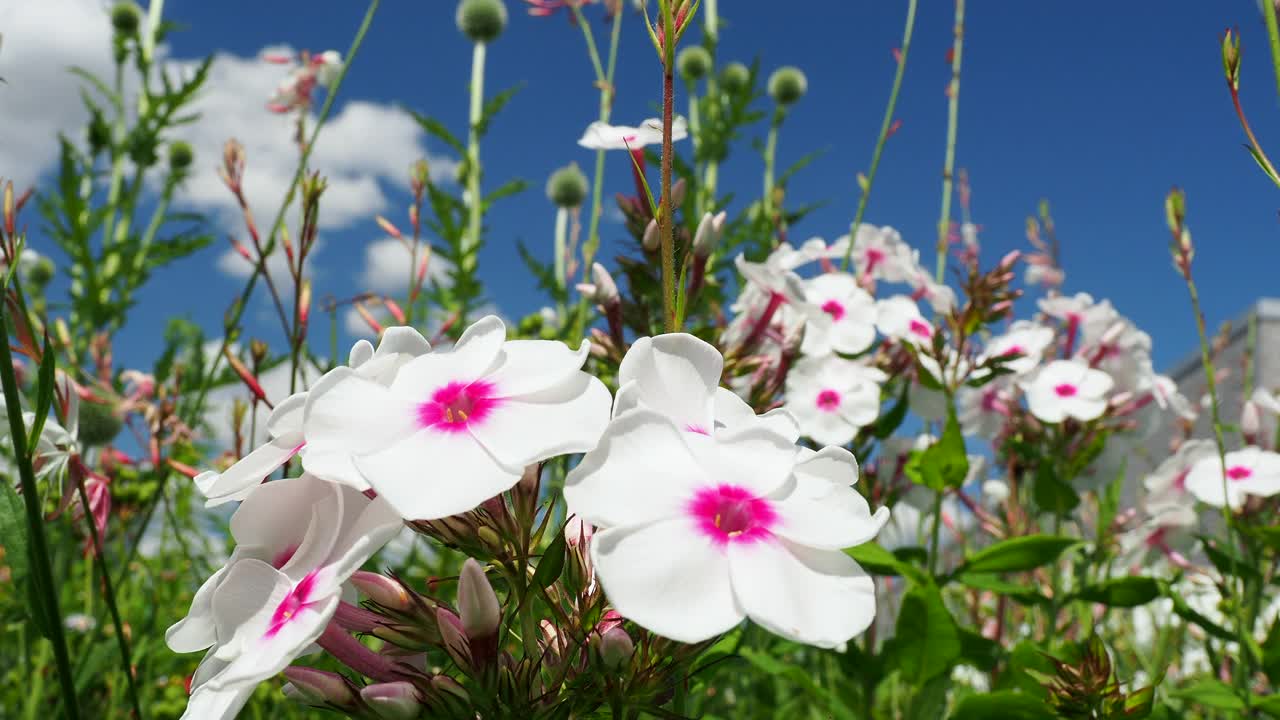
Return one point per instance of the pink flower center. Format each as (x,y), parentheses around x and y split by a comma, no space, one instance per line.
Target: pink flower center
(283,557)
(1239,472)
(456,405)
(874,258)
(731,514)
(1013,350)
(834,308)
(696,429)
(1180,480)
(828,400)
(1065,390)
(921,329)
(298,599)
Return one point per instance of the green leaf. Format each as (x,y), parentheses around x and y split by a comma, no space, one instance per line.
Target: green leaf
(1271,653)
(770,665)
(927,641)
(1017,554)
(944,465)
(436,129)
(1212,694)
(1269,704)
(892,420)
(1003,704)
(44,395)
(494,105)
(1186,612)
(551,564)
(1025,594)
(1227,562)
(1270,536)
(878,561)
(13,532)
(1121,592)
(507,189)
(1051,494)
(979,651)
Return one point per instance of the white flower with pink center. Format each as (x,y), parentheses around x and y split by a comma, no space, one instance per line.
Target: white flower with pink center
(1067,389)
(841,316)
(678,375)
(879,253)
(285,426)
(277,594)
(702,532)
(770,301)
(1023,345)
(899,317)
(984,411)
(455,428)
(1249,471)
(603,136)
(1167,484)
(832,398)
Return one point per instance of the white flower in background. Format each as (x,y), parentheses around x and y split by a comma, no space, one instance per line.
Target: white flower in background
(1024,343)
(456,428)
(771,297)
(899,317)
(1249,471)
(879,253)
(275,598)
(295,91)
(678,376)
(832,397)
(702,531)
(984,411)
(1067,389)
(1085,319)
(841,316)
(603,136)
(1167,484)
(930,403)
(1123,352)
(289,436)
(939,296)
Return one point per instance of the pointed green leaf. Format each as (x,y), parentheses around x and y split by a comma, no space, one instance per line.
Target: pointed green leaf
(1017,554)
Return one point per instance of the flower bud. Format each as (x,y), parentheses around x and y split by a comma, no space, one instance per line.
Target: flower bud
(180,156)
(606,289)
(787,85)
(477,602)
(995,491)
(650,240)
(693,62)
(126,17)
(454,638)
(40,272)
(1250,421)
(98,424)
(393,700)
(567,187)
(482,20)
(710,230)
(679,189)
(317,687)
(387,592)
(614,647)
(735,77)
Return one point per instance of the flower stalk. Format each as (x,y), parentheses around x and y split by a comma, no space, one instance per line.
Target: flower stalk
(949,163)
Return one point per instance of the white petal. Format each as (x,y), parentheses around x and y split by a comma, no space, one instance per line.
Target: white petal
(268,656)
(733,413)
(527,366)
(286,418)
(627,398)
(757,458)
(567,418)
(472,357)
(240,479)
(367,528)
(276,515)
(667,578)
(209,704)
(401,339)
(360,353)
(432,474)
(835,519)
(675,374)
(244,601)
(818,597)
(350,414)
(642,470)
(196,631)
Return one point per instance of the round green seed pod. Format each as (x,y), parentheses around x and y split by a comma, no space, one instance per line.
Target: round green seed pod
(787,85)
(693,62)
(567,187)
(482,20)
(126,17)
(40,272)
(98,424)
(734,77)
(180,156)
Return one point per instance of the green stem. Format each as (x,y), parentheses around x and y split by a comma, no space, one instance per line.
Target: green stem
(695,134)
(770,158)
(1273,34)
(666,227)
(953,121)
(471,247)
(46,589)
(109,594)
(933,539)
(885,126)
(561,238)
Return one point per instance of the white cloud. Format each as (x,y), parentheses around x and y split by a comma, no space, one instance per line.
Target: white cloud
(364,150)
(387,266)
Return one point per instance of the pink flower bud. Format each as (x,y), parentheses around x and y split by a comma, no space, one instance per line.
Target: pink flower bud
(454,638)
(606,289)
(317,687)
(1250,421)
(393,700)
(650,239)
(477,602)
(615,648)
(678,191)
(710,230)
(385,591)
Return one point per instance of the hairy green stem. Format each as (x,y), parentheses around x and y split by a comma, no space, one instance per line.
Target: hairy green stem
(471,245)
(561,239)
(886,125)
(666,228)
(953,121)
(770,160)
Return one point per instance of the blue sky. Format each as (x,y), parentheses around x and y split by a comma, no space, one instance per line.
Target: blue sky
(1098,106)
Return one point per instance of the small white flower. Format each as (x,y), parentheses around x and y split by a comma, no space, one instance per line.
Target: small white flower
(899,317)
(1249,471)
(1167,484)
(1024,343)
(704,531)
(1067,389)
(832,397)
(603,136)
(458,427)
(841,316)
(879,253)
